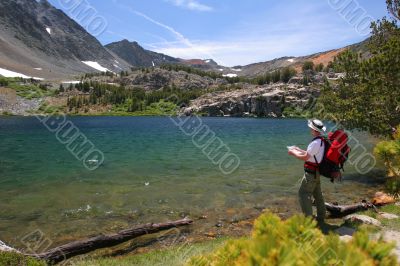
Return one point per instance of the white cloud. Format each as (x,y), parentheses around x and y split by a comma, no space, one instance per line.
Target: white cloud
(181,40)
(191,5)
(258,38)
(177,34)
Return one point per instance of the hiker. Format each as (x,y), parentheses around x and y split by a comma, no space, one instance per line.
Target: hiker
(311,183)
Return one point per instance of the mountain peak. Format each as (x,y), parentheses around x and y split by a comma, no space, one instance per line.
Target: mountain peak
(124,42)
(56,43)
(137,56)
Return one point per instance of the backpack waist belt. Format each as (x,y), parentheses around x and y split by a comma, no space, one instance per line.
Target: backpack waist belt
(310,167)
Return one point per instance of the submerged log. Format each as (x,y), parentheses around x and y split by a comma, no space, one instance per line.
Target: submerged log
(80,247)
(338,211)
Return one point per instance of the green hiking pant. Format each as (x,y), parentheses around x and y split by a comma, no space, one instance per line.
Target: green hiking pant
(311,187)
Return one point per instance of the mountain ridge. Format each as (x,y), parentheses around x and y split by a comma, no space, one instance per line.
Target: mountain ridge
(39,40)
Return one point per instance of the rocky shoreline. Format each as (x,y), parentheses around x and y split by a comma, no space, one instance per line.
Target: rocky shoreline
(12,104)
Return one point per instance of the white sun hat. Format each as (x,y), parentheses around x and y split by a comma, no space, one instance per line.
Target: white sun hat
(317,125)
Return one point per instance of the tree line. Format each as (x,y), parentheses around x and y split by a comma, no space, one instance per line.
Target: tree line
(280,75)
(191,70)
(135,99)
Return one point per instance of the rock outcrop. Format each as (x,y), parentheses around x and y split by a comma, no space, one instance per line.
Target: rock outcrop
(265,101)
(362,219)
(11,103)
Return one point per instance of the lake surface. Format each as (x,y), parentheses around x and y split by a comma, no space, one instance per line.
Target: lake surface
(152,172)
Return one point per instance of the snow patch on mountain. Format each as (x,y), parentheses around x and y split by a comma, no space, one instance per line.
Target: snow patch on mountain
(230,75)
(11,74)
(95,65)
(115,65)
(71,82)
(38,68)
(48,30)
(291,60)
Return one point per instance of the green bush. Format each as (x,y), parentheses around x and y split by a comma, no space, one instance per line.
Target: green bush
(15,259)
(6,113)
(50,109)
(297,241)
(389,152)
(4,81)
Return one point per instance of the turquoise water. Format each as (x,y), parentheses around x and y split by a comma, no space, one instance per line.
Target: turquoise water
(152,172)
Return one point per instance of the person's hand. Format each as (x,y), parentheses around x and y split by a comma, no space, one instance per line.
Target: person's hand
(290,152)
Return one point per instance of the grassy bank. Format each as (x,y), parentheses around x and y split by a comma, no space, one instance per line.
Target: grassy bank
(28,89)
(178,255)
(387,224)
(14,259)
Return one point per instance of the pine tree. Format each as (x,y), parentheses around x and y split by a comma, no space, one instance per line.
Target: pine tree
(368,97)
(276,76)
(308,65)
(394,8)
(319,67)
(287,73)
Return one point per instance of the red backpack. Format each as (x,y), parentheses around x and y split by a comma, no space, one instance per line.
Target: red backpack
(336,153)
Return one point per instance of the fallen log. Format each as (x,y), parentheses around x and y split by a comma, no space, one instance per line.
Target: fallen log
(338,211)
(80,247)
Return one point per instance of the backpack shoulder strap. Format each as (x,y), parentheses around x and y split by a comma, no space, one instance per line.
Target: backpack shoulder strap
(322,142)
(320,138)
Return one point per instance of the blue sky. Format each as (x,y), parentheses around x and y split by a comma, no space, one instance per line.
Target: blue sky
(231,32)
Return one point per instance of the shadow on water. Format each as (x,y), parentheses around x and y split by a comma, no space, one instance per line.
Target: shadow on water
(374,177)
(327,228)
(341,229)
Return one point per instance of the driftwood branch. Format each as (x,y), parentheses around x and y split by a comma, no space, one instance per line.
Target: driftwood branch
(80,247)
(338,211)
